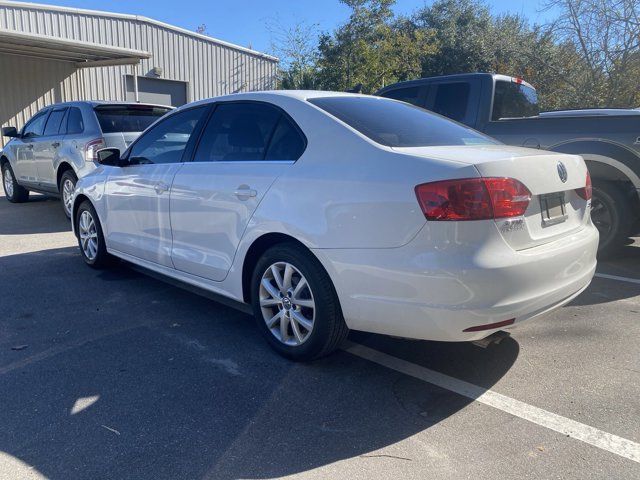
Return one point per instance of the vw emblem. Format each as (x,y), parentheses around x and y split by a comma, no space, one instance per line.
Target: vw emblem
(562,172)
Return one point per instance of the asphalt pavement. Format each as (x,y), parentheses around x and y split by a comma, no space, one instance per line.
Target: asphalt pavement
(114,374)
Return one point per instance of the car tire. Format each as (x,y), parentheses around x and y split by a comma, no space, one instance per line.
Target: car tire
(66,188)
(14,192)
(611,214)
(91,238)
(309,311)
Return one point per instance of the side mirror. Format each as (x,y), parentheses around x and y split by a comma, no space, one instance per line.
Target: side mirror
(10,132)
(109,156)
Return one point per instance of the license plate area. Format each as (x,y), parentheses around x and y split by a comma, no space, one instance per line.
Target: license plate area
(553,209)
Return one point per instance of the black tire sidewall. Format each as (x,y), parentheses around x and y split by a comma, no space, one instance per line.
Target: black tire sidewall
(327,310)
(19,193)
(613,199)
(102,256)
(74,178)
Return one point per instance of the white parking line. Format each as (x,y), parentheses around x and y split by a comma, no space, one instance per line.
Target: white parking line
(616,277)
(603,440)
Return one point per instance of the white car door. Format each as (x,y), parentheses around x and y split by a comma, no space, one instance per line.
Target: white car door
(137,195)
(243,149)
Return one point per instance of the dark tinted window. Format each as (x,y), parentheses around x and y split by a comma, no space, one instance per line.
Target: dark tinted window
(127,118)
(397,124)
(166,142)
(75,123)
(409,94)
(513,100)
(451,100)
(54,122)
(35,127)
(238,131)
(287,143)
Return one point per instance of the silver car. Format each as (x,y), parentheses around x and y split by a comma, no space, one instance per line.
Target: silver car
(58,145)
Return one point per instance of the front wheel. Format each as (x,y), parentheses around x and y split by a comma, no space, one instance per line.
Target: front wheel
(90,237)
(611,214)
(295,304)
(15,192)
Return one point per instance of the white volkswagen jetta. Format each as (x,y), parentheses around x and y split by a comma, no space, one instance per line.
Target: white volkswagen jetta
(331,211)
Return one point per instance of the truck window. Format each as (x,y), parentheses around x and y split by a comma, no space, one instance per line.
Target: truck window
(398,124)
(452,100)
(514,100)
(407,94)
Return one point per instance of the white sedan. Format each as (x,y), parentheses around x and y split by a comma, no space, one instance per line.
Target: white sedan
(329,211)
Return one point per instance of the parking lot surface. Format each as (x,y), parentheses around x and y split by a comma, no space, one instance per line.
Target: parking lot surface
(113,374)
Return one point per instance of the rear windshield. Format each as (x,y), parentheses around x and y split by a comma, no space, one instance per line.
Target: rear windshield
(398,124)
(513,100)
(127,118)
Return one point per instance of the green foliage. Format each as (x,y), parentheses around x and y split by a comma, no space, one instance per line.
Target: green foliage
(590,56)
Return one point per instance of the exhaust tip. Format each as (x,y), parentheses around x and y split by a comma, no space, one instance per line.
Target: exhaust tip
(490,326)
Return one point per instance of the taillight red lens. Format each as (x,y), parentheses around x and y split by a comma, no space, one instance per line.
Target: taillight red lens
(473,199)
(587,191)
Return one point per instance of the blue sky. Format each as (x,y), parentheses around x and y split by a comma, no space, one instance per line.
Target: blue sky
(243,21)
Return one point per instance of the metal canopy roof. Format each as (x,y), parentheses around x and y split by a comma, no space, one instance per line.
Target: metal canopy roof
(83,54)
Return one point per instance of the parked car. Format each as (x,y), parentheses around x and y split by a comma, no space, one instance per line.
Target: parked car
(59,144)
(506,108)
(332,211)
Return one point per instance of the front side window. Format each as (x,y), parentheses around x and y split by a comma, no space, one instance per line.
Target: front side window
(398,124)
(409,94)
(35,126)
(75,123)
(167,141)
(240,131)
(54,122)
(452,100)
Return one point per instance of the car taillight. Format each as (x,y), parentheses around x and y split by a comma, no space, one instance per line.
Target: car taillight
(91,149)
(473,198)
(587,190)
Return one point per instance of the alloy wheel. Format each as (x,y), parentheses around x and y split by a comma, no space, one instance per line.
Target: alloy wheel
(68,188)
(8,182)
(287,303)
(88,235)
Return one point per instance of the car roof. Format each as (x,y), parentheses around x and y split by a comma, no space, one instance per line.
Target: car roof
(453,77)
(97,103)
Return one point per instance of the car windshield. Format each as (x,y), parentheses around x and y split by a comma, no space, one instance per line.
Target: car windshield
(514,100)
(398,124)
(128,118)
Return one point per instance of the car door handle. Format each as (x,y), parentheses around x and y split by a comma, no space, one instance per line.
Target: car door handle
(244,192)
(161,187)
(55,144)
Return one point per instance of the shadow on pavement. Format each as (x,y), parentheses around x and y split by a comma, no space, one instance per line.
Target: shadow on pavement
(126,376)
(41,214)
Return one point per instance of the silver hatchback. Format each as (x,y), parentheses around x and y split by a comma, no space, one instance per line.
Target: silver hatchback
(58,145)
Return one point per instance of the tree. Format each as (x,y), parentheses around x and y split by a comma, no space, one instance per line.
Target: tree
(296,46)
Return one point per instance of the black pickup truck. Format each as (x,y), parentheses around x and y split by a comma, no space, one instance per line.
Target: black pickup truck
(506,108)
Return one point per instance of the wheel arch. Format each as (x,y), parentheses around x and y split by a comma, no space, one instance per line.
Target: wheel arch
(3,160)
(74,211)
(62,168)
(255,251)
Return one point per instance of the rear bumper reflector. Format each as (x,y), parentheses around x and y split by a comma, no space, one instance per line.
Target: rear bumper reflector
(490,326)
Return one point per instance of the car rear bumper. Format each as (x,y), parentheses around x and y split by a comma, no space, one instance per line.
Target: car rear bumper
(458,275)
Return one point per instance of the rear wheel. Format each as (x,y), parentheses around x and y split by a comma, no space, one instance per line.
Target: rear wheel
(67,188)
(15,193)
(295,304)
(611,214)
(90,237)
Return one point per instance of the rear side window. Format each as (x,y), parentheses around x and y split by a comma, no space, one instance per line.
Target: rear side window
(128,118)
(54,122)
(513,100)
(397,124)
(410,94)
(248,132)
(452,100)
(35,126)
(167,141)
(75,123)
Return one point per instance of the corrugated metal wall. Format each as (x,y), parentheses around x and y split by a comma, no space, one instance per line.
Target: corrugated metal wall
(209,67)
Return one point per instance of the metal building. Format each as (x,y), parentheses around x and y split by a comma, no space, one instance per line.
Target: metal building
(51,54)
